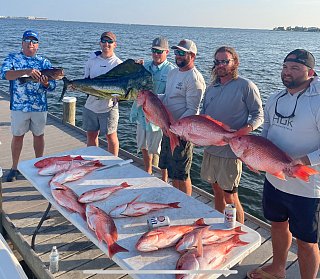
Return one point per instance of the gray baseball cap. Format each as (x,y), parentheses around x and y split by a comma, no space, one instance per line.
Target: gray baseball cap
(187,46)
(160,43)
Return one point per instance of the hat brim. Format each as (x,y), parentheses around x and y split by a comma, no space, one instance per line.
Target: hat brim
(160,48)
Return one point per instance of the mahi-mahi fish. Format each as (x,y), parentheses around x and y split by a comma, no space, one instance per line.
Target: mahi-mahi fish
(52,74)
(123,82)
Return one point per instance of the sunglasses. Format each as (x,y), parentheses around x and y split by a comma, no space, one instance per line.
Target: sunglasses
(294,110)
(221,62)
(157,51)
(109,41)
(179,52)
(28,41)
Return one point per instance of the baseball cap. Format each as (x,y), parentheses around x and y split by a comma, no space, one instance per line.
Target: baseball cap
(110,35)
(30,33)
(302,56)
(160,43)
(186,45)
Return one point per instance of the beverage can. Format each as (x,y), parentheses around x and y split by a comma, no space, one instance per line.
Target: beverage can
(160,221)
(230,216)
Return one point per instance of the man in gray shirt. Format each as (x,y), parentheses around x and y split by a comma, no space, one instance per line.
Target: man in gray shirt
(236,102)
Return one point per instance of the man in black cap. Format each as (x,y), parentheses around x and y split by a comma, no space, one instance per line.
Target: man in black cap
(292,122)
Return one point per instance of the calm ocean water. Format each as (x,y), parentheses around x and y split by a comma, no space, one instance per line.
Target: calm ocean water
(68,44)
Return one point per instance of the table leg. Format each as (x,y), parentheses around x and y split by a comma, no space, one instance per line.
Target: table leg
(39,225)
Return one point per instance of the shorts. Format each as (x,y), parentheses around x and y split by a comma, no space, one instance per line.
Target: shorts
(106,123)
(22,122)
(303,214)
(150,140)
(225,171)
(178,164)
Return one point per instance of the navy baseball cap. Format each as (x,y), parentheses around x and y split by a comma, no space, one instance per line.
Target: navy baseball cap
(302,56)
(30,33)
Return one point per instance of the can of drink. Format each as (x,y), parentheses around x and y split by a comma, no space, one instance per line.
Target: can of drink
(160,221)
(230,216)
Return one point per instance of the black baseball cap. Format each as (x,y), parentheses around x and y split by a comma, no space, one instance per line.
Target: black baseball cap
(302,56)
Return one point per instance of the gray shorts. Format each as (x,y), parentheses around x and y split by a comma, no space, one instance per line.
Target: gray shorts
(226,172)
(150,140)
(106,123)
(22,122)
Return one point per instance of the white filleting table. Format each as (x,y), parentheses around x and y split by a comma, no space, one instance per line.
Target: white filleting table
(130,229)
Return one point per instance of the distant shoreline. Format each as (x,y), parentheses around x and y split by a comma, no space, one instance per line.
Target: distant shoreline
(24,17)
(297,29)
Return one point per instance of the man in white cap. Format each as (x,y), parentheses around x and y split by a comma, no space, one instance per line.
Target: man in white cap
(183,94)
(28,101)
(149,135)
(102,115)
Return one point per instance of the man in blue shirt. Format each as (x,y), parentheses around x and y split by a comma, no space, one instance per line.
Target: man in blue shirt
(28,101)
(149,135)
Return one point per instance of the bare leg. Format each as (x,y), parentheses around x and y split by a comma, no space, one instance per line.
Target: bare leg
(308,257)
(164,174)
(281,242)
(38,145)
(147,159)
(92,138)
(219,201)
(16,147)
(183,185)
(113,143)
(233,198)
(155,160)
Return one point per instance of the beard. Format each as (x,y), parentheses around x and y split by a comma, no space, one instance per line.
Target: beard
(181,63)
(292,83)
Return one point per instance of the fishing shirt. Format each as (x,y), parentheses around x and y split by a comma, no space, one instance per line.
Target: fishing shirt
(96,66)
(184,91)
(30,96)
(297,136)
(235,104)
(159,77)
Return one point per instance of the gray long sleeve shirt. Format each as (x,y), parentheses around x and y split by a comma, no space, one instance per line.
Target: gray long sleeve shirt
(236,104)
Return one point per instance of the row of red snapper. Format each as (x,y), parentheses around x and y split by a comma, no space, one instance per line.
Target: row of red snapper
(257,152)
(202,248)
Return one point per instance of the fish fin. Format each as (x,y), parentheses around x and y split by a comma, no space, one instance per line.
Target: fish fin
(303,172)
(221,124)
(238,230)
(125,185)
(115,248)
(137,197)
(79,157)
(66,83)
(174,141)
(279,175)
(200,222)
(174,204)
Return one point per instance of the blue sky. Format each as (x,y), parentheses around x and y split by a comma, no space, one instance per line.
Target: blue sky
(264,14)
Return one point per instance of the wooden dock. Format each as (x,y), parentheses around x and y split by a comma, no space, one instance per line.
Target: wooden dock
(24,206)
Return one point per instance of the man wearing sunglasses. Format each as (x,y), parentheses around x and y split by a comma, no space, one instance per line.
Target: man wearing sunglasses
(149,135)
(102,115)
(292,122)
(236,102)
(28,101)
(184,90)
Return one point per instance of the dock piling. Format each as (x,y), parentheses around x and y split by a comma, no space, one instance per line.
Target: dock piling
(69,110)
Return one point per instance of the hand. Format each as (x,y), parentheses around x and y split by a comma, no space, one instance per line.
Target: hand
(301,161)
(34,73)
(115,99)
(44,80)
(139,61)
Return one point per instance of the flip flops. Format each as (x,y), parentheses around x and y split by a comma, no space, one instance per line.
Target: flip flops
(262,274)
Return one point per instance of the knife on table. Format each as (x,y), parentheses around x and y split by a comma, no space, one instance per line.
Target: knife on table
(122,163)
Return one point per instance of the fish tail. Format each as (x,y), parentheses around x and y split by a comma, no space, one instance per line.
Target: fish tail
(238,242)
(238,230)
(174,141)
(66,83)
(174,204)
(303,172)
(115,248)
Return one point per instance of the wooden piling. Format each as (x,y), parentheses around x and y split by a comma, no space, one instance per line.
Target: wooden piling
(69,110)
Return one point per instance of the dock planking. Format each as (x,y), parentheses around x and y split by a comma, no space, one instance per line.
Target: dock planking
(24,206)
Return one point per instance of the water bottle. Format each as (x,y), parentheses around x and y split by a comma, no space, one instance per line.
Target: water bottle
(54,260)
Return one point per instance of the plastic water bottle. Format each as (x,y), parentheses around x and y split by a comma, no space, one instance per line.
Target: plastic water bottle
(54,260)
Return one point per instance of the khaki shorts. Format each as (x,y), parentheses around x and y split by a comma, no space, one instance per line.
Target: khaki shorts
(22,122)
(106,123)
(150,140)
(226,172)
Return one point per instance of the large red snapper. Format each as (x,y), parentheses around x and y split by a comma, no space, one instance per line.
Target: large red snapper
(105,229)
(210,257)
(259,153)
(207,236)
(202,130)
(134,208)
(67,198)
(157,113)
(47,161)
(101,193)
(165,236)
